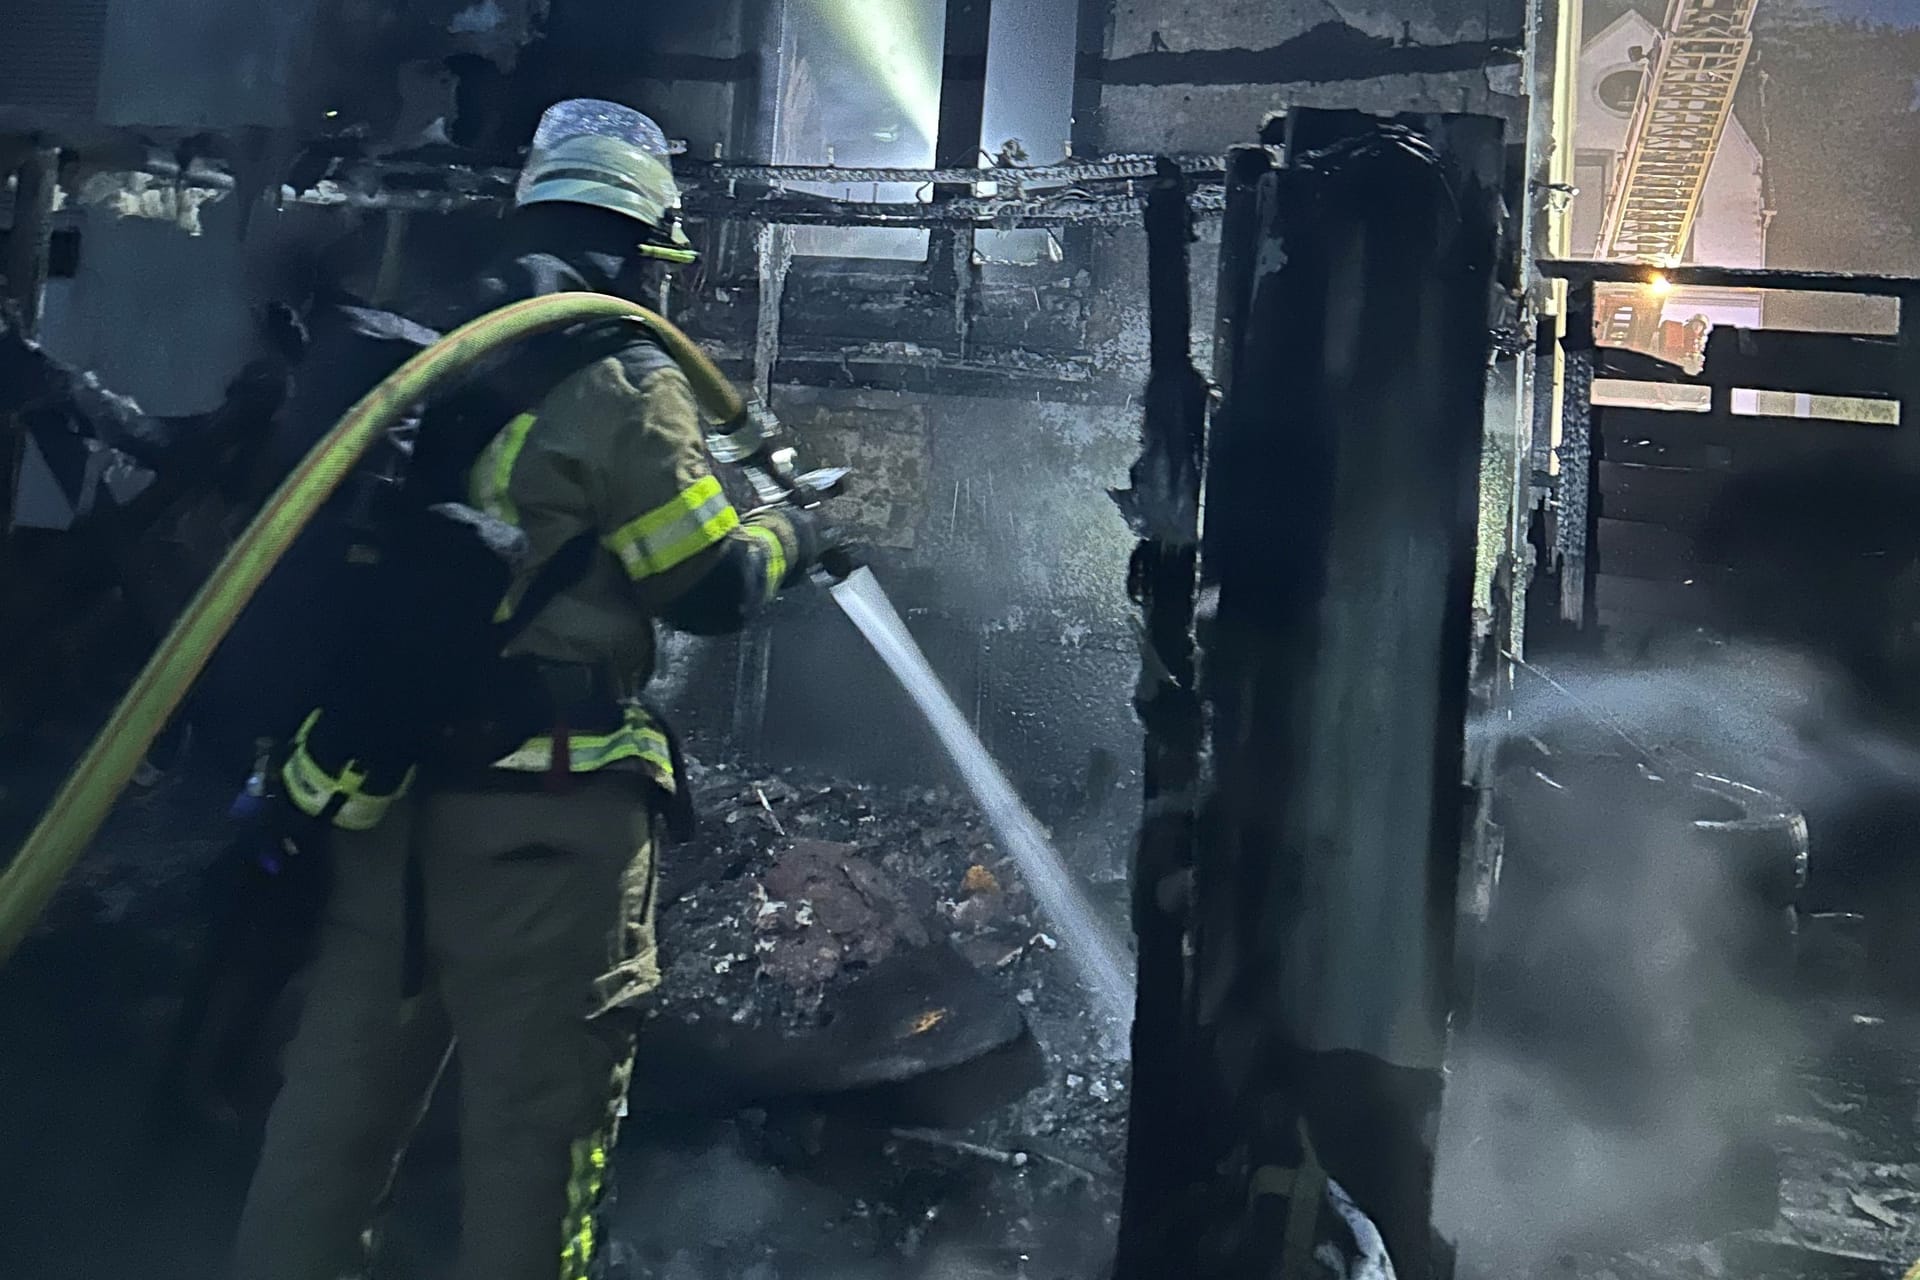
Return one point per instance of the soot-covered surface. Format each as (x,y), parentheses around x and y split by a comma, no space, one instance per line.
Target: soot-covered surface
(797,892)
(1611,1205)
(771,918)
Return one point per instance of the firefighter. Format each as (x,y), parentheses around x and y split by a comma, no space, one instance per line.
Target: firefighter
(494,889)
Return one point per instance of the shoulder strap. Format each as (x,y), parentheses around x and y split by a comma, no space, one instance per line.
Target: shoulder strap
(388,326)
(640,356)
(456,430)
(563,569)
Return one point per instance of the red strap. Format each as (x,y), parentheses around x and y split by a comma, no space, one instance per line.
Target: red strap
(560,762)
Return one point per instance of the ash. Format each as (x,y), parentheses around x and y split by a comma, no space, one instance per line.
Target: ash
(796,888)
(796,885)
(1845,1131)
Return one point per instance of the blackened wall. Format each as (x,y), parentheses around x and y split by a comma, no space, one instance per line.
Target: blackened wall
(991,529)
(1200,77)
(989,512)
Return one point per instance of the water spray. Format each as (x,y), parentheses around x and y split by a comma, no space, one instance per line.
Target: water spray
(1090,945)
(755,442)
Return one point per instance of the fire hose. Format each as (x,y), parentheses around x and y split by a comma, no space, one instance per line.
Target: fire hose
(78,809)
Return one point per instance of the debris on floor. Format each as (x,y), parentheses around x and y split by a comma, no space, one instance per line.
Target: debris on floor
(761,929)
(897,1047)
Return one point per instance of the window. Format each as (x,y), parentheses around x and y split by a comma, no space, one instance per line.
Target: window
(1029,106)
(1867,410)
(1591,172)
(1619,90)
(860,88)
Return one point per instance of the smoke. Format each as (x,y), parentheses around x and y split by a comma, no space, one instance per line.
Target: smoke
(715,1196)
(1632,1039)
(1619,1091)
(893,47)
(1785,720)
(1743,706)
(709,1208)
(694,1213)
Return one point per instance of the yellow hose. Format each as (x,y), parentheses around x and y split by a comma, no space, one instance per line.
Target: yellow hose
(77,810)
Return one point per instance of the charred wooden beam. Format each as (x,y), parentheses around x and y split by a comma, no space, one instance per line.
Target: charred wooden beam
(1329,53)
(1163,508)
(1341,523)
(773,247)
(1065,208)
(28,260)
(1073,173)
(1057,380)
(1689,277)
(1095,192)
(1093,25)
(1833,364)
(963,103)
(30,239)
(1580,457)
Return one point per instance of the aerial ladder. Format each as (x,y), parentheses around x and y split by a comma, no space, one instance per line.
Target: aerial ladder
(1685,102)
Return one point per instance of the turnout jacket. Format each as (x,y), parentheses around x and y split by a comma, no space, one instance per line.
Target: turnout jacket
(616,450)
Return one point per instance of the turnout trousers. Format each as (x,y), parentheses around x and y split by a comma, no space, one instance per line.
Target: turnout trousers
(538,931)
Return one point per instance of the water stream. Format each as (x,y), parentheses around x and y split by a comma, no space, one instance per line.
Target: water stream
(1092,947)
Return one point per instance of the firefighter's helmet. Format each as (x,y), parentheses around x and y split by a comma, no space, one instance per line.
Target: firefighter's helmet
(600,153)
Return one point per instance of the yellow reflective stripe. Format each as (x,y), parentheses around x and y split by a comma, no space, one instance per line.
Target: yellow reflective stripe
(308,786)
(588,752)
(676,531)
(312,788)
(586,1185)
(490,487)
(688,502)
(694,541)
(492,481)
(363,812)
(776,556)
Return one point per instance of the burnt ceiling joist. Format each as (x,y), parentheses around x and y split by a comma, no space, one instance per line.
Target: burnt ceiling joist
(1081,193)
(986,213)
(1581,271)
(1328,53)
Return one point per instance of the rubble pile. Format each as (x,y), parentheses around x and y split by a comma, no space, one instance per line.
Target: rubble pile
(797,887)
(799,898)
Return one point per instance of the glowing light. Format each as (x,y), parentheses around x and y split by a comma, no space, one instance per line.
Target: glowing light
(887,35)
(332,114)
(1660,285)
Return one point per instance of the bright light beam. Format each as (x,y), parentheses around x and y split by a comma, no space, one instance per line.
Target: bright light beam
(886,35)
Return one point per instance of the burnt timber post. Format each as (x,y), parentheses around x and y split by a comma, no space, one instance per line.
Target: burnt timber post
(1578,514)
(27,264)
(773,253)
(1337,571)
(963,104)
(1162,506)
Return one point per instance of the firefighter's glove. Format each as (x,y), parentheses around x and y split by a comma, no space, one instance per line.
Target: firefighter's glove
(826,549)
